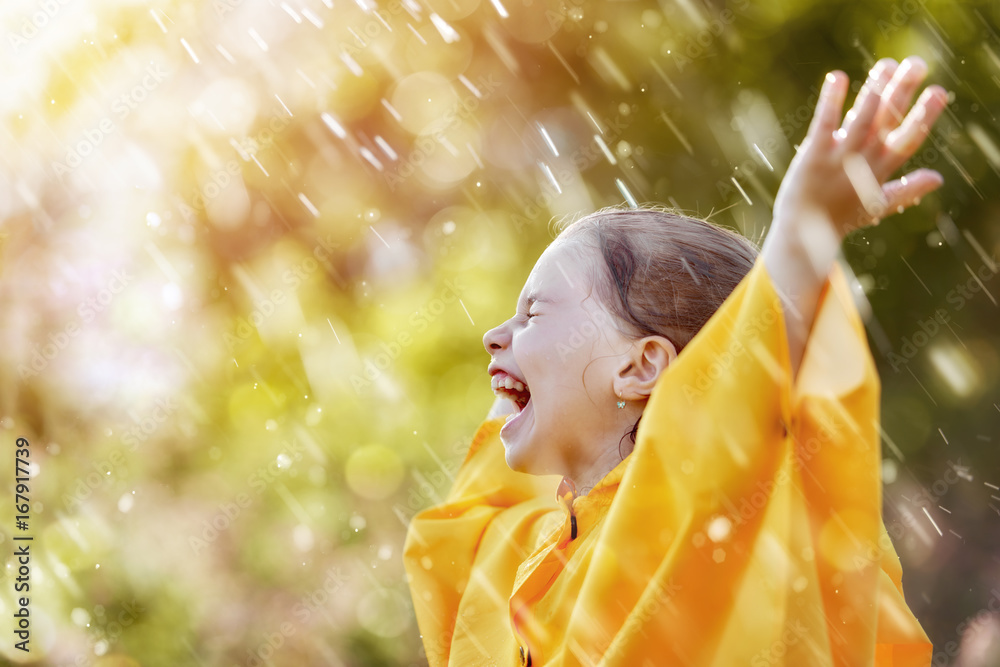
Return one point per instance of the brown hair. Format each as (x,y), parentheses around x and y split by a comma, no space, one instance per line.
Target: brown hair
(664,273)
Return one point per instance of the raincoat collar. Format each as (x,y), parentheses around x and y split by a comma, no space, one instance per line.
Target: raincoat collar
(568,497)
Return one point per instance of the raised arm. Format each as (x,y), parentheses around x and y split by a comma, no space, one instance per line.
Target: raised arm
(836,182)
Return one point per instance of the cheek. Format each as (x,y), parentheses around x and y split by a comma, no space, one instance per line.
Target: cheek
(525,351)
(536,348)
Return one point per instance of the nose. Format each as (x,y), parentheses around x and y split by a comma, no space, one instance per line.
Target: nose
(496,338)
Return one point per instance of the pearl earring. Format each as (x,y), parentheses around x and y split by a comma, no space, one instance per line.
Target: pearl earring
(621,404)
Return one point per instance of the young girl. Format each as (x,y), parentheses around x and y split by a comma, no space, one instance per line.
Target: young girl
(682,467)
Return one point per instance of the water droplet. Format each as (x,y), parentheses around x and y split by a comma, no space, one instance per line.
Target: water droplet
(125,503)
(719,528)
(302,536)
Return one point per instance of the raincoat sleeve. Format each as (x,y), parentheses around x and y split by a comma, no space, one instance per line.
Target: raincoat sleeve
(490,512)
(748,529)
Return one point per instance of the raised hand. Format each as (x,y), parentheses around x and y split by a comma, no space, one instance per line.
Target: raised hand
(836,182)
(839,172)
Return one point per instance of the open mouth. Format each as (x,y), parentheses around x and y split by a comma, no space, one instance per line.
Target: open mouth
(510,387)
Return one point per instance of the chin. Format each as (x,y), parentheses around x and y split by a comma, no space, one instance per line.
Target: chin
(521,453)
(513,464)
(520,441)
(513,455)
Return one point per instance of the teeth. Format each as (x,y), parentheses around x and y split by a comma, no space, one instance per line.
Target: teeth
(507,382)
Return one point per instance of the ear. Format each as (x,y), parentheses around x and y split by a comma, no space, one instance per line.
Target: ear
(644,362)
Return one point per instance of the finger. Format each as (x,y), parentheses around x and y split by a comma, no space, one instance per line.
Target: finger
(826,117)
(907,191)
(906,139)
(866,185)
(898,94)
(860,128)
(881,71)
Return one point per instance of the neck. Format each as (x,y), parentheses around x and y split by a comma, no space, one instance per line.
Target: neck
(601,455)
(607,461)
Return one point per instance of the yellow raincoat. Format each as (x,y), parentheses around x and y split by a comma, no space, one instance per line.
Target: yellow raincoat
(744,528)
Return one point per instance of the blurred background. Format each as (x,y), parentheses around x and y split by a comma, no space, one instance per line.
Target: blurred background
(249,249)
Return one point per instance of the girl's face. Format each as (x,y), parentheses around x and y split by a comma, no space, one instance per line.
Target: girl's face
(562,356)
